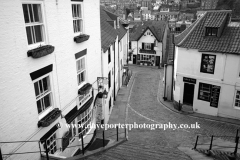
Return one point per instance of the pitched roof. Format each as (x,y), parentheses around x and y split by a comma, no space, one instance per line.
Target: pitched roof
(194,38)
(156,27)
(121,31)
(108,33)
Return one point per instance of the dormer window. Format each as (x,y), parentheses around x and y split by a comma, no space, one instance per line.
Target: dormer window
(211,31)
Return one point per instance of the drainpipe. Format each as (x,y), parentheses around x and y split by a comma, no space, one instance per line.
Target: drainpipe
(173,65)
(114,69)
(165,79)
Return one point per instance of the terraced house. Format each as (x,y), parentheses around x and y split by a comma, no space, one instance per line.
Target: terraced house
(51,58)
(207,65)
(114,40)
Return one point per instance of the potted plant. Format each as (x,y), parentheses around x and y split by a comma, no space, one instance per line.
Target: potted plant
(40,51)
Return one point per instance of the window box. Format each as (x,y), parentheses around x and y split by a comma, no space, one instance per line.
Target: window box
(49,118)
(40,51)
(84,89)
(81,38)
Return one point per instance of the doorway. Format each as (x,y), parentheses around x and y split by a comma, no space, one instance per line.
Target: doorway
(188,93)
(134,59)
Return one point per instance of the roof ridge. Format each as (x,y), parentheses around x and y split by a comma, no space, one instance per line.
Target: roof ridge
(191,30)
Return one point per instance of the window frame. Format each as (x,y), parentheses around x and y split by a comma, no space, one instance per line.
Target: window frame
(54,140)
(82,70)
(43,24)
(84,119)
(210,30)
(50,85)
(109,55)
(82,13)
(202,70)
(73,125)
(235,98)
(209,92)
(148,46)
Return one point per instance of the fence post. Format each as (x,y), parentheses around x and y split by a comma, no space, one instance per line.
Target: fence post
(179,106)
(46,149)
(126,133)
(117,133)
(236,136)
(103,139)
(1,158)
(236,147)
(196,143)
(210,147)
(82,143)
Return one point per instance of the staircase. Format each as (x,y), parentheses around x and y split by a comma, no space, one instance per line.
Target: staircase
(132,151)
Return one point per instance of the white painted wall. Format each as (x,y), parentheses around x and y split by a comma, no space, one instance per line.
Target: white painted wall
(226,75)
(19,115)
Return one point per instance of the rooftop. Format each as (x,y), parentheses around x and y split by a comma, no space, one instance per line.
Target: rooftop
(194,37)
(156,27)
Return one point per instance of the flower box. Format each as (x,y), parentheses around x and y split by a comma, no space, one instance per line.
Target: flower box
(49,118)
(81,38)
(84,89)
(40,51)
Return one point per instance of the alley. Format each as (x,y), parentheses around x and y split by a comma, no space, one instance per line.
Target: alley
(144,107)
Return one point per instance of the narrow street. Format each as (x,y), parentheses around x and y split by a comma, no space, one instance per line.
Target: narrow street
(144,107)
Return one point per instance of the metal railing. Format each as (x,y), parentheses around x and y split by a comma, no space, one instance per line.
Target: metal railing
(211,144)
(83,145)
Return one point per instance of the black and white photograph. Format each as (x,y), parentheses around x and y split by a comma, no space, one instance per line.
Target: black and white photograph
(120,80)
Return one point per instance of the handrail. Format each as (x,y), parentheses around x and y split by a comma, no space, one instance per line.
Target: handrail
(211,142)
(60,148)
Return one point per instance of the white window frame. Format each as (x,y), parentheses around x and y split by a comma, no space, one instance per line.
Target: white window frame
(50,85)
(87,118)
(54,140)
(236,99)
(147,46)
(44,31)
(75,18)
(82,70)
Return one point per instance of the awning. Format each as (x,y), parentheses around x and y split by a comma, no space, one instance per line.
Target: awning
(75,112)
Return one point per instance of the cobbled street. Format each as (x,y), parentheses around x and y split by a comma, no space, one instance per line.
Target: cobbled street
(144,107)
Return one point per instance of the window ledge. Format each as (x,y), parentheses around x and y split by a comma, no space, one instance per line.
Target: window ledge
(40,51)
(81,38)
(84,89)
(49,118)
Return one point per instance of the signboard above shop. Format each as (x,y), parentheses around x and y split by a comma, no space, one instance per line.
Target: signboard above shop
(189,80)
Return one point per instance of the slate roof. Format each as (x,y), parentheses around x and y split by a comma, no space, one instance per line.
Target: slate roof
(108,33)
(156,27)
(194,38)
(121,31)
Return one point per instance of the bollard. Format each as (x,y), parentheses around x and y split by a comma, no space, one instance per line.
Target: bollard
(210,147)
(46,149)
(103,139)
(117,133)
(236,147)
(82,143)
(196,143)
(1,158)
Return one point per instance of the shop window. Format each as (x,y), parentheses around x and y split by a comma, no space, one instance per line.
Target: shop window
(208,63)
(52,144)
(84,122)
(204,92)
(237,99)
